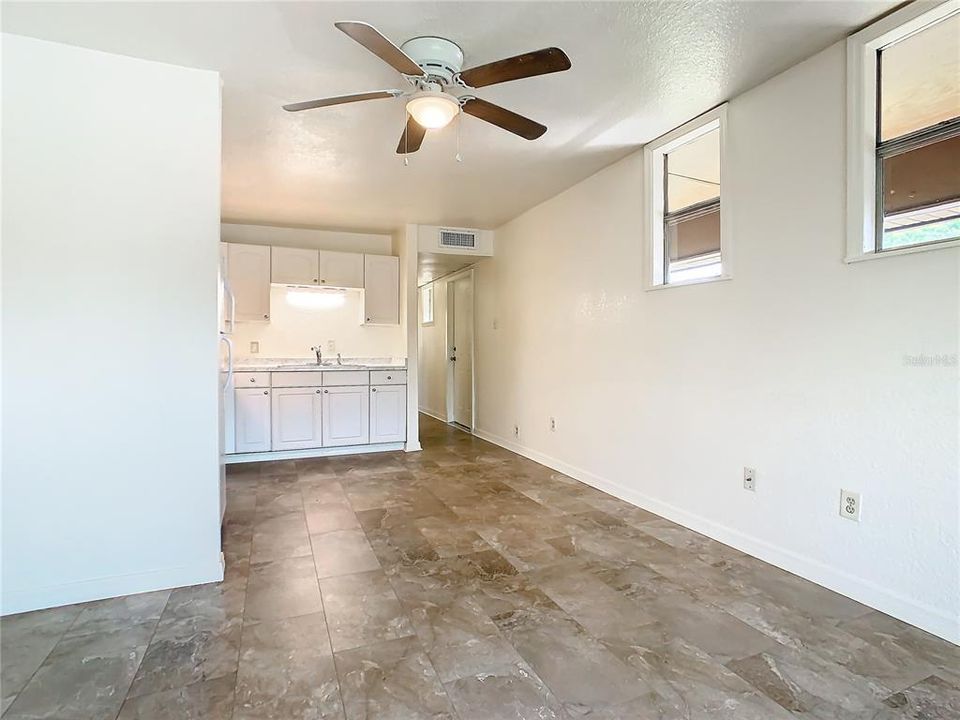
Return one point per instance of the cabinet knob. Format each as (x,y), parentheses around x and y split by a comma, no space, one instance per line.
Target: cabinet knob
(315,280)
(389,377)
(368,319)
(373,389)
(253,379)
(325,392)
(266,317)
(323,281)
(318,392)
(266,392)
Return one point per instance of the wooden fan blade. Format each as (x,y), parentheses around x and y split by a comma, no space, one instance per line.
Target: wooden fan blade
(412,137)
(538,62)
(375,42)
(341,100)
(503,118)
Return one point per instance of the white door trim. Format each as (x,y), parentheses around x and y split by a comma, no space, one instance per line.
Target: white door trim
(448,338)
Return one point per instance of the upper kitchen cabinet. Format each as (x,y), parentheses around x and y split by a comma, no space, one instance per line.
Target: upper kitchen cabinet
(341,269)
(381,284)
(294,266)
(249,274)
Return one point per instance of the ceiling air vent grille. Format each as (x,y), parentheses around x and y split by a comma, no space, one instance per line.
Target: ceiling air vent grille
(458,239)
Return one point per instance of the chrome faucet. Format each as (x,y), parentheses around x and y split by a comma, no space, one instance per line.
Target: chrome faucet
(339,359)
(319,354)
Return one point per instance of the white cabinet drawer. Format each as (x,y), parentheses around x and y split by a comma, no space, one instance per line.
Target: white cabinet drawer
(388,377)
(251,379)
(346,377)
(308,378)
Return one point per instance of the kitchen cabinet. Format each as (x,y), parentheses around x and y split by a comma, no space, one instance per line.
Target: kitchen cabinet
(252,418)
(341,269)
(381,285)
(249,275)
(294,266)
(388,413)
(346,415)
(296,418)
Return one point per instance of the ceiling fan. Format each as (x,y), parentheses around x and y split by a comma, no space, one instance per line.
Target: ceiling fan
(432,65)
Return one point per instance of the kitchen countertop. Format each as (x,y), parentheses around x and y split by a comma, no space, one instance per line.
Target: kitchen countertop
(307,365)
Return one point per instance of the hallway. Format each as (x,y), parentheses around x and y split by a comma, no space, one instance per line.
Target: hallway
(466,582)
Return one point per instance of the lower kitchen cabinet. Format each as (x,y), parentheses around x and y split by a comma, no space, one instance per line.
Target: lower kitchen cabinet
(388,413)
(346,415)
(252,418)
(297,418)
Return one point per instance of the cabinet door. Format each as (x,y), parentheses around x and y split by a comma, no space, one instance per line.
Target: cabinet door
(381,285)
(341,269)
(346,415)
(249,273)
(294,266)
(296,418)
(388,413)
(252,412)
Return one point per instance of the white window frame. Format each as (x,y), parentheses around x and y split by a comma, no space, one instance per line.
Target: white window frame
(424,292)
(653,163)
(862,50)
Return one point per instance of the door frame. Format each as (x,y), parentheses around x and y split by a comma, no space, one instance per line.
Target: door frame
(448,337)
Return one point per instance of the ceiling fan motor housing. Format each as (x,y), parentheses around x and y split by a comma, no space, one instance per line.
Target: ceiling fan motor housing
(440,58)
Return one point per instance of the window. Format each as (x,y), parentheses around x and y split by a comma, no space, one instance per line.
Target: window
(426,305)
(685,238)
(904,192)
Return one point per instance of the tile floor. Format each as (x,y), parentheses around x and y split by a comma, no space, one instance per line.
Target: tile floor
(467,583)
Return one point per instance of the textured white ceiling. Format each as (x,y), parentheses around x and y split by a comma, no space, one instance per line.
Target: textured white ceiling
(639,69)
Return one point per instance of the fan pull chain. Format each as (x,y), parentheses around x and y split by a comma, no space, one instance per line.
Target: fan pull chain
(459,157)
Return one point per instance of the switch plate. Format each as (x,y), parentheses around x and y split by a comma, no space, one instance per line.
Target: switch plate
(850,505)
(254,347)
(749,479)
(331,346)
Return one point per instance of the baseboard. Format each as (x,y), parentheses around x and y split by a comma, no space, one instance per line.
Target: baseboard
(17,601)
(434,415)
(311,453)
(923,616)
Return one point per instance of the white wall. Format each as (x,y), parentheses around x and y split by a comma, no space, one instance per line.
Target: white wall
(797,367)
(433,355)
(293,330)
(111,202)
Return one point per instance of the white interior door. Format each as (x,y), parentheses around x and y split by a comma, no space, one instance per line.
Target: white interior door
(461,350)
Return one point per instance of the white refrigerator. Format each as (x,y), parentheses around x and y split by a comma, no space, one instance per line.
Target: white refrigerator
(227,314)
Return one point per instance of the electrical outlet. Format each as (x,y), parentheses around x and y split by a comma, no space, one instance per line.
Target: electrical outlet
(254,347)
(850,505)
(331,346)
(516,431)
(749,479)
(553,424)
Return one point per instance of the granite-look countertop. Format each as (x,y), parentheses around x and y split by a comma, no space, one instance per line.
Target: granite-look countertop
(307,365)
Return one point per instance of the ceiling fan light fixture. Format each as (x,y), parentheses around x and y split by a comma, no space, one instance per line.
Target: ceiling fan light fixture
(433,110)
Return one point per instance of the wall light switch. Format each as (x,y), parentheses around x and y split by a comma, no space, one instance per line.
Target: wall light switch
(331,346)
(254,347)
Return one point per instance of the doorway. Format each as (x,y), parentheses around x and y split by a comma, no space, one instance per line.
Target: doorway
(460,405)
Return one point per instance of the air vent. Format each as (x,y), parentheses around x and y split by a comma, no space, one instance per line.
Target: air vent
(458,239)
